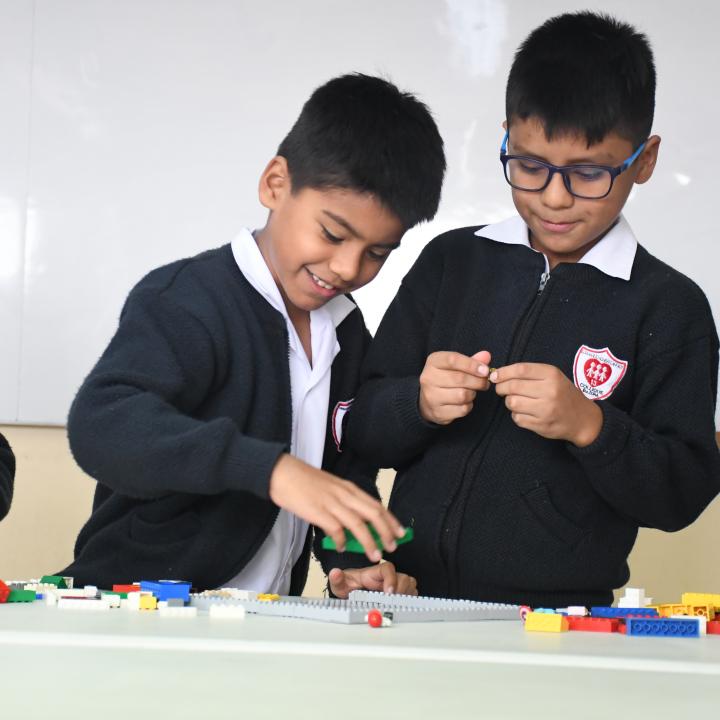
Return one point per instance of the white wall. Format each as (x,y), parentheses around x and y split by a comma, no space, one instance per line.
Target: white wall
(133,132)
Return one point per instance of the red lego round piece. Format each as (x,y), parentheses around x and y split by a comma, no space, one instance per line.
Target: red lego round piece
(374,618)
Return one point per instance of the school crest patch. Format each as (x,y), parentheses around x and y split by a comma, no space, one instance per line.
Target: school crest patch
(597,372)
(337,420)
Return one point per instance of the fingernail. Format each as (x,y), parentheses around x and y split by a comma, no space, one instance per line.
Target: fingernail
(392,547)
(390,590)
(483,370)
(375,556)
(341,548)
(493,376)
(400,532)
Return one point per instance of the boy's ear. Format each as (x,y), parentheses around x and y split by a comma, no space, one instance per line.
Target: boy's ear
(648,159)
(274,183)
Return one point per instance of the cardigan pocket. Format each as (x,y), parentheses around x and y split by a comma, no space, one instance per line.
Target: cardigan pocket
(166,520)
(540,504)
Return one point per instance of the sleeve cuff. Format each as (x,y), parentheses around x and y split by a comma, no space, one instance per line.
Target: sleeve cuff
(611,441)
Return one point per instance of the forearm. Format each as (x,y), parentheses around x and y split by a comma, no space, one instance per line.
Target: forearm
(140,445)
(385,424)
(658,479)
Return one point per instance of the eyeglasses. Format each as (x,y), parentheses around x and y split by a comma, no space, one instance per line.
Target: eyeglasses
(589,182)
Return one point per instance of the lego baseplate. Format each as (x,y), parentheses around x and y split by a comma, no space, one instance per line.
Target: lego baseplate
(354,610)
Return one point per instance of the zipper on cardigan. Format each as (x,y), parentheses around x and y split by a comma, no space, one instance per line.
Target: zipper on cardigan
(516,348)
(543,281)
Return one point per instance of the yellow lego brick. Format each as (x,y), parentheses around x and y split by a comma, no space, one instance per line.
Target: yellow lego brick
(148,602)
(546,622)
(701,599)
(268,597)
(669,609)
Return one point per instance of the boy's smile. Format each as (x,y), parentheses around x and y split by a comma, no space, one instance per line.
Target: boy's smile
(319,243)
(561,226)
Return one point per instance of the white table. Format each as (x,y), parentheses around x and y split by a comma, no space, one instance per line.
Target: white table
(62,663)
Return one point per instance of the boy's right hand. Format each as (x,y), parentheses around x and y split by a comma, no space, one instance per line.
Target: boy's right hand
(333,504)
(449,383)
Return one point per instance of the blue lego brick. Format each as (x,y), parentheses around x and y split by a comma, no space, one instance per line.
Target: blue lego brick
(664,627)
(610,612)
(167,589)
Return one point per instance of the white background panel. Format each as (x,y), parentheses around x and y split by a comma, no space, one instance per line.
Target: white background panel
(152,120)
(15,70)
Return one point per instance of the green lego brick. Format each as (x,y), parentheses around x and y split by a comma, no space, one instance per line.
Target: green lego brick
(352,545)
(55,580)
(21,596)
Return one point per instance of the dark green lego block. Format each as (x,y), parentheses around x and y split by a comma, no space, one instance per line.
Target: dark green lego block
(352,545)
(21,596)
(56,580)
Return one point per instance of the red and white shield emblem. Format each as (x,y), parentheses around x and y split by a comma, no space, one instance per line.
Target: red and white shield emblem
(597,372)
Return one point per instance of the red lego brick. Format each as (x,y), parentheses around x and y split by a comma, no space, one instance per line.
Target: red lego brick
(125,588)
(591,624)
(713,627)
(4,592)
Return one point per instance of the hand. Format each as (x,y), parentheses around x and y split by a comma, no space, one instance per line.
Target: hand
(376,577)
(449,383)
(333,504)
(542,399)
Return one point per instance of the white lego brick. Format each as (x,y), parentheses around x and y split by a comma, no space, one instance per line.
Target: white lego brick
(132,602)
(180,612)
(87,604)
(90,591)
(227,612)
(702,621)
(112,600)
(575,610)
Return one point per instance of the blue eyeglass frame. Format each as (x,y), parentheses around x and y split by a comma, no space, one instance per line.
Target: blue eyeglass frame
(562,169)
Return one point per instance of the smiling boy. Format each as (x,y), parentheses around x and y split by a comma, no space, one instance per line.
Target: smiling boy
(207,420)
(528,483)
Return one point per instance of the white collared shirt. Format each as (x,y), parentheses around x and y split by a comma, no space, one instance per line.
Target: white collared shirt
(270,570)
(613,255)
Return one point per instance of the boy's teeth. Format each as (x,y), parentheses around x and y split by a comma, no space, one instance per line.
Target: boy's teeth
(322,283)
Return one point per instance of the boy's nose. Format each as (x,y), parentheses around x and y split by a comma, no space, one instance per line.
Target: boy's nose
(345,264)
(556,195)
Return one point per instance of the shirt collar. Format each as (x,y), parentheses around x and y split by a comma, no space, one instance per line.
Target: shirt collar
(613,255)
(252,265)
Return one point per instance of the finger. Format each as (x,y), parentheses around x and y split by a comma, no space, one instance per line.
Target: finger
(524,421)
(451,379)
(389,577)
(447,360)
(522,405)
(525,388)
(334,529)
(357,524)
(338,583)
(406,584)
(387,526)
(483,357)
(521,371)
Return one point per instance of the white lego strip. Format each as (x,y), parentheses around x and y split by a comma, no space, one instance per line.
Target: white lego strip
(227,612)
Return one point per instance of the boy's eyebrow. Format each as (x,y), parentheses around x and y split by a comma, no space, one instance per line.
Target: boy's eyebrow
(344,223)
(341,221)
(519,150)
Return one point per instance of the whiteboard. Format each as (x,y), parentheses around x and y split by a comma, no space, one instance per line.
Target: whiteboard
(133,133)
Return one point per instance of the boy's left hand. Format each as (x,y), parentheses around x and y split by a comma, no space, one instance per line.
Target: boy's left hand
(542,399)
(382,577)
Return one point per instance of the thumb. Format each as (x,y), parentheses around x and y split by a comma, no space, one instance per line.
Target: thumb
(339,584)
(483,356)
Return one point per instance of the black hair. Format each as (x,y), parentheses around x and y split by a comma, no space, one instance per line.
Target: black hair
(363,134)
(584,73)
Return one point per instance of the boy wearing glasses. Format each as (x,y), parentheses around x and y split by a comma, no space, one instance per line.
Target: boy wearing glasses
(527,483)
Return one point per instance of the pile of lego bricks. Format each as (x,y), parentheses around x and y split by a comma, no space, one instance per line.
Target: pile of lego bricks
(168,597)
(696,615)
